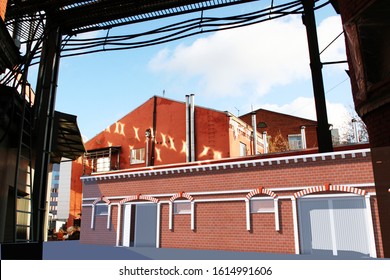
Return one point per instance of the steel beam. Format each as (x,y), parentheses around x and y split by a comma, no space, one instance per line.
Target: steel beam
(324,137)
(46,92)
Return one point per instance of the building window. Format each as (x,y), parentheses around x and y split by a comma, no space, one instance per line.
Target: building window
(262,206)
(180,207)
(295,141)
(103,164)
(137,156)
(101,209)
(242,149)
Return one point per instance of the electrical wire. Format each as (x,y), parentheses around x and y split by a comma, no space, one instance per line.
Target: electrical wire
(176,31)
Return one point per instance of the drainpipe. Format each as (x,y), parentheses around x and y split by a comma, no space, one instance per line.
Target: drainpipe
(254,133)
(188,156)
(153,131)
(192,125)
(147,135)
(303,137)
(265,144)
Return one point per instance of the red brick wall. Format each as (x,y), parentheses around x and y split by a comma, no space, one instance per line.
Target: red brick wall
(99,234)
(349,9)
(338,171)
(211,128)
(286,124)
(222,225)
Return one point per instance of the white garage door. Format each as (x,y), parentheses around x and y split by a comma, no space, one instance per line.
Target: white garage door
(335,226)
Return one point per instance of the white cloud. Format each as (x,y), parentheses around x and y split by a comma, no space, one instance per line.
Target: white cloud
(251,59)
(304,107)
(328,30)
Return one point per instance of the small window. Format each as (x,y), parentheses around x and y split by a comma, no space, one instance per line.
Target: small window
(137,156)
(262,206)
(101,209)
(242,149)
(182,207)
(103,164)
(295,141)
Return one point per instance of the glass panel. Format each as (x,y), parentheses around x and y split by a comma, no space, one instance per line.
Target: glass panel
(137,156)
(101,209)
(259,206)
(295,142)
(182,208)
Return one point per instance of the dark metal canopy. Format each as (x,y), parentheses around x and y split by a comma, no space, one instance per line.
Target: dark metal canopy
(81,16)
(67,140)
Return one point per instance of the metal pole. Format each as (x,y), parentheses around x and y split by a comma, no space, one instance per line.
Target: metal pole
(254,127)
(44,125)
(324,136)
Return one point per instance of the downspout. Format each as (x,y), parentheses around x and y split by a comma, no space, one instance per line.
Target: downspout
(147,136)
(254,127)
(188,156)
(192,120)
(154,131)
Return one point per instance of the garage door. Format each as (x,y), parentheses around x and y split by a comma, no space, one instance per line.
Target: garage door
(334,226)
(139,225)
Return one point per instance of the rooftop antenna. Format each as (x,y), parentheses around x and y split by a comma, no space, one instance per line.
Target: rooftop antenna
(238,111)
(163,92)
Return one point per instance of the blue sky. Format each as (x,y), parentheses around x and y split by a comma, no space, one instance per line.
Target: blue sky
(261,66)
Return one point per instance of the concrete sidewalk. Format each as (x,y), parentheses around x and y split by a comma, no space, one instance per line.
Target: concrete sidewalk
(73,250)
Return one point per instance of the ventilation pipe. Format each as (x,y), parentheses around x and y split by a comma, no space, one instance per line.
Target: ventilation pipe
(355,131)
(188,156)
(265,144)
(192,126)
(303,137)
(147,136)
(254,126)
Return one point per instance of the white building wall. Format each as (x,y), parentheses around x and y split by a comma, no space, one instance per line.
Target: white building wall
(64,190)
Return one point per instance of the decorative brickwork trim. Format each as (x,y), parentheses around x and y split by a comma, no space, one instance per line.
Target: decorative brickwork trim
(330,188)
(138,197)
(102,198)
(261,190)
(181,195)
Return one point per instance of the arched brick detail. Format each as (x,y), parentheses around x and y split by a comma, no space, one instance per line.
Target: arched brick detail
(139,197)
(261,190)
(332,188)
(102,198)
(180,195)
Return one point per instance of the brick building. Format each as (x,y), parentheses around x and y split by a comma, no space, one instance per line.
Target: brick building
(299,132)
(221,198)
(130,142)
(366,26)
(162,132)
(308,203)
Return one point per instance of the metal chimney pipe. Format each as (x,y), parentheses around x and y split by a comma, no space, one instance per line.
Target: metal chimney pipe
(355,131)
(192,126)
(303,137)
(188,156)
(265,144)
(254,126)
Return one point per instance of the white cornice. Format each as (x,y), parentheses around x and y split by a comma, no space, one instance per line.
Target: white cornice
(207,166)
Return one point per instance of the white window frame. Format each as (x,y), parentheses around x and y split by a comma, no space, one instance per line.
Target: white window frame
(243,149)
(295,144)
(185,211)
(101,212)
(103,164)
(269,209)
(137,156)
